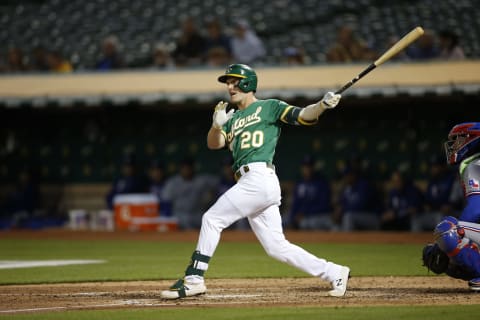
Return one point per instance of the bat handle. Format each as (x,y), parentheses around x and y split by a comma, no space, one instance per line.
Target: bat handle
(345,87)
(360,76)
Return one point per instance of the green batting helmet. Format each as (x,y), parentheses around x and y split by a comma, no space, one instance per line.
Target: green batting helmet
(248,77)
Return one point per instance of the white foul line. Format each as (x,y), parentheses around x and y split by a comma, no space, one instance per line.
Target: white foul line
(13,264)
(63,308)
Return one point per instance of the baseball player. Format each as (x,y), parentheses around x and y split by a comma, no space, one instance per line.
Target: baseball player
(251,133)
(456,248)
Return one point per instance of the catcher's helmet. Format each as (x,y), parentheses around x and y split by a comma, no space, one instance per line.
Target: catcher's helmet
(463,141)
(247,76)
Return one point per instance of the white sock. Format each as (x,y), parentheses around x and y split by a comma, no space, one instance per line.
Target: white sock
(194,279)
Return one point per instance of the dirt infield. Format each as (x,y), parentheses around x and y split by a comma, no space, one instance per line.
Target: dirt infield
(363,291)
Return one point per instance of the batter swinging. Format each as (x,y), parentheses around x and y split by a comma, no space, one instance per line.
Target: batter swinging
(252,134)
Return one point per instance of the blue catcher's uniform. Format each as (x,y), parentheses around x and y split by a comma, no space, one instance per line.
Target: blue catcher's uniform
(470,175)
(460,239)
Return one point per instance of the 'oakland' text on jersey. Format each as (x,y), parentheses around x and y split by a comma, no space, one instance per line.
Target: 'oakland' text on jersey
(252,133)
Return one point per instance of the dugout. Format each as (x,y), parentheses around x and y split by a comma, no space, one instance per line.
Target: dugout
(75,128)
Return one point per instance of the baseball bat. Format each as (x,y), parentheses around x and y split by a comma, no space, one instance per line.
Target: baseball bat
(396,48)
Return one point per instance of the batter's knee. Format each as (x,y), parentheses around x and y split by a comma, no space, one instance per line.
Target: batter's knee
(212,219)
(208,219)
(276,250)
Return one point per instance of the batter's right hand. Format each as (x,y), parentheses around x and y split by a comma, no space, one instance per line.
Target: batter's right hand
(330,100)
(220,116)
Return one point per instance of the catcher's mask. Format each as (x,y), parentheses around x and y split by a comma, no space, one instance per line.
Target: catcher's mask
(463,141)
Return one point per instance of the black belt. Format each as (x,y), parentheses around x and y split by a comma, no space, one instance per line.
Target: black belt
(238,174)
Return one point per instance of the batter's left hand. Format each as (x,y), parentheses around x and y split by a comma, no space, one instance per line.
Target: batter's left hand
(330,100)
(220,116)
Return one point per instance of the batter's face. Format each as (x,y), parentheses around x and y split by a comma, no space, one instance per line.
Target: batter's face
(236,95)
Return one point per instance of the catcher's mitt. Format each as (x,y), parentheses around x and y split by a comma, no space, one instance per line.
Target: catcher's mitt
(435,259)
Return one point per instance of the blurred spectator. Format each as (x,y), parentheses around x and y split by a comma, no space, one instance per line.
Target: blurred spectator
(437,196)
(162,58)
(190,46)
(424,48)
(56,63)
(39,59)
(111,57)
(294,56)
(217,57)
(218,49)
(450,46)
(404,201)
(21,204)
(357,205)
(349,48)
(247,47)
(129,180)
(216,39)
(311,204)
(188,194)
(15,61)
(157,180)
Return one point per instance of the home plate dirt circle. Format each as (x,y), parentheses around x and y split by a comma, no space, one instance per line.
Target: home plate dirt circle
(363,291)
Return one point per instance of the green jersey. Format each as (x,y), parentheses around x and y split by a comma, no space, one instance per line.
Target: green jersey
(252,134)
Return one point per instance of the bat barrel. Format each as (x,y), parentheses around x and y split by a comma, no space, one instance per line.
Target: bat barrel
(400,45)
(396,48)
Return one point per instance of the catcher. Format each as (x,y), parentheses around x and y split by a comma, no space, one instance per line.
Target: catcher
(456,250)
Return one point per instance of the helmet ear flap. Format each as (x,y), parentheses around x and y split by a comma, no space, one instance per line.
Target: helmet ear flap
(248,84)
(243,84)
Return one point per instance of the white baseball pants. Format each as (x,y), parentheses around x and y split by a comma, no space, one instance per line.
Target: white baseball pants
(257,196)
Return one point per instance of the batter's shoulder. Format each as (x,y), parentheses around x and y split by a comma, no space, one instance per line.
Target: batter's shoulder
(271,102)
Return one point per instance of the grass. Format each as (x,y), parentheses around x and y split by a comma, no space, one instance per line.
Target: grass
(163,260)
(284,313)
(137,260)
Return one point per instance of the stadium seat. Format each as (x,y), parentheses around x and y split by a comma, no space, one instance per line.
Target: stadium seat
(311,24)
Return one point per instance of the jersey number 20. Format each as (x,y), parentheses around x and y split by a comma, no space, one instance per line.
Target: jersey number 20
(251,139)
